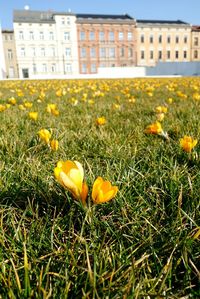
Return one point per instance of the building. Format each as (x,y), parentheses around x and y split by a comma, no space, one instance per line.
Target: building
(105,41)
(2,60)
(195,43)
(10,54)
(46,43)
(159,40)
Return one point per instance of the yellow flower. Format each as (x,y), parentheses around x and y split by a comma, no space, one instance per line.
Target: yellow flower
(160,116)
(2,108)
(21,107)
(187,143)
(161,109)
(12,101)
(28,104)
(103,191)
(51,108)
(33,115)
(154,128)
(100,121)
(45,135)
(70,175)
(54,144)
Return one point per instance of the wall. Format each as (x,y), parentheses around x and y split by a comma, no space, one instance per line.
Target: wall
(2,61)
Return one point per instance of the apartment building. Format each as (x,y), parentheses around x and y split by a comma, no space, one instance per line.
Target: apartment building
(46,43)
(2,60)
(195,43)
(10,54)
(159,40)
(105,41)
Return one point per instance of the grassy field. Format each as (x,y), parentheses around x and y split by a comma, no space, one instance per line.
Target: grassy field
(144,242)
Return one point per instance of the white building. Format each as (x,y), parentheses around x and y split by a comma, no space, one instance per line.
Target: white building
(2,60)
(46,44)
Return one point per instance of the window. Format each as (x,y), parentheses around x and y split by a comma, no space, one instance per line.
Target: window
(44,68)
(184,54)
(68,21)
(93,68)
(68,52)
(196,41)
(130,52)
(21,35)
(177,39)
(51,35)
(83,68)
(11,37)
(52,52)
(68,68)
(101,36)
(142,38)
(168,54)
(195,54)
(10,54)
(122,52)
(112,52)
(102,52)
(31,35)
(63,21)
(160,39)
(92,52)
(151,39)
(67,36)
(176,54)
(53,68)
(41,35)
(185,39)
(159,55)
(169,39)
(22,52)
(92,35)
(121,35)
(142,54)
(33,53)
(42,52)
(111,36)
(129,35)
(83,52)
(151,54)
(34,68)
(82,35)
(5,37)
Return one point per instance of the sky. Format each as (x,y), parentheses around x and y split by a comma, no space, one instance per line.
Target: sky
(185,10)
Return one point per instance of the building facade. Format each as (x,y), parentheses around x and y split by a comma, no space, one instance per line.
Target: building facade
(166,41)
(2,59)
(10,54)
(105,41)
(195,43)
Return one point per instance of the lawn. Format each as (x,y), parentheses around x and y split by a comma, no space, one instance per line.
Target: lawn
(142,241)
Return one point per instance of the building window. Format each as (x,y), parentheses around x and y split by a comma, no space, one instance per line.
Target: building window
(184,54)
(142,54)
(42,52)
(130,52)
(151,39)
(68,68)
(10,54)
(93,68)
(52,52)
(53,68)
(5,37)
(160,39)
(33,53)
(177,39)
(31,35)
(168,39)
(176,54)
(82,35)
(22,52)
(101,36)
(129,35)
(185,39)
(196,41)
(168,54)
(44,68)
(111,52)
(51,35)
(68,21)
(151,54)
(41,35)
(63,21)
(142,38)
(122,52)
(67,36)
(21,35)
(92,35)
(83,52)
(121,35)
(159,55)
(34,68)
(111,36)
(84,68)
(68,52)
(92,52)
(102,52)
(195,54)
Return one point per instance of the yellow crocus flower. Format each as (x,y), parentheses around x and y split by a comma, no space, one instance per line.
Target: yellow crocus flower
(45,135)
(54,144)
(188,143)
(33,115)
(154,128)
(103,191)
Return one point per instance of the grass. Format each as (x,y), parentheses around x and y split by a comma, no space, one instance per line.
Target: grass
(142,244)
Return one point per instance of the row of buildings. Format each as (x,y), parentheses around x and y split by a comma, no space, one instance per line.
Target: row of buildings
(48,43)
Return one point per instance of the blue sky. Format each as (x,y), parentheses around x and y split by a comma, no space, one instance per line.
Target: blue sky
(185,10)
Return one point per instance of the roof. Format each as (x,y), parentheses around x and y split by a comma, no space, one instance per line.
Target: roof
(171,22)
(7,31)
(196,28)
(33,16)
(103,16)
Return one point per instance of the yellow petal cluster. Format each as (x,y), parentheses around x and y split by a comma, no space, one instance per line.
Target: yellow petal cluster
(103,191)
(187,143)
(100,121)
(154,128)
(45,135)
(33,115)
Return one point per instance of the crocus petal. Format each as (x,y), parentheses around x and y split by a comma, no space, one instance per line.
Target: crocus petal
(69,184)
